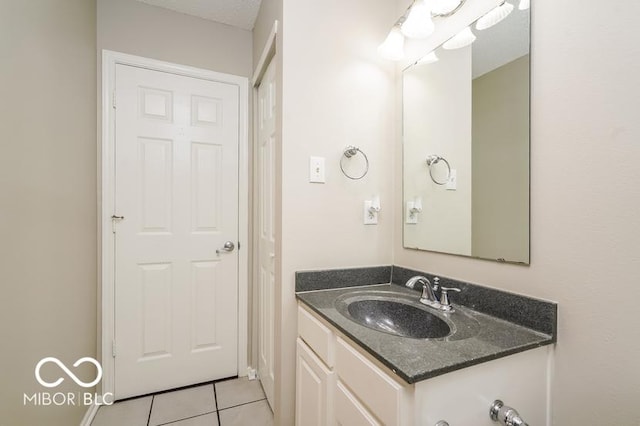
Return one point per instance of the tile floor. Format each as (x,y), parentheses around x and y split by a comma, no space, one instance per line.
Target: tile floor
(235,402)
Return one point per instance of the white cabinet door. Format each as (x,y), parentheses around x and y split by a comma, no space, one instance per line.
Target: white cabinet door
(176,179)
(349,411)
(382,395)
(314,389)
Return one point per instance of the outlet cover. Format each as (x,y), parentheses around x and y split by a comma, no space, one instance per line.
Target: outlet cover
(316,170)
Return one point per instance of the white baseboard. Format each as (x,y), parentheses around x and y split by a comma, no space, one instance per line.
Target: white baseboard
(89,415)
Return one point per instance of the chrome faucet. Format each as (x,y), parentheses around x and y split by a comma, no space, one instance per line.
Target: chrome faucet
(428,296)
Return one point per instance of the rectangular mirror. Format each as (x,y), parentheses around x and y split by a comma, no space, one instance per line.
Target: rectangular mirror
(466,146)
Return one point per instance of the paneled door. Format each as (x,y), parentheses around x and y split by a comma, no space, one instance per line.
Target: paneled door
(266,229)
(176,204)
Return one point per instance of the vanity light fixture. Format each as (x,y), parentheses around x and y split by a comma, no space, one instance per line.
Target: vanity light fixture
(393,46)
(444,8)
(524,4)
(418,23)
(494,16)
(462,39)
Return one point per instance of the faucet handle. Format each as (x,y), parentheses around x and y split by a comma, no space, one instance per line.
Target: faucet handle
(436,283)
(444,295)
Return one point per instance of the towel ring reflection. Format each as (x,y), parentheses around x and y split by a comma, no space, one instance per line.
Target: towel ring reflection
(349,152)
(435,159)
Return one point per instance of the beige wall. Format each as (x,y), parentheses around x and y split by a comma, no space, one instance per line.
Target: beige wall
(501,163)
(270,11)
(48,200)
(133,27)
(337,92)
(48,227)
(585,227)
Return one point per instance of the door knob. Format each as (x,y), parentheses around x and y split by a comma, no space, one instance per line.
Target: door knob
(228,247)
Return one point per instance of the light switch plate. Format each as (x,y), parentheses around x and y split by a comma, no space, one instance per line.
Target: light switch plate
(452,183)
(316,170)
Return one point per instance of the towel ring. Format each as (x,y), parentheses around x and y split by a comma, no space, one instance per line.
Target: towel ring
(349,152)
(434,159)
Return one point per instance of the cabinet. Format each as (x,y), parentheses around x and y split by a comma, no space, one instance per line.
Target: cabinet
(337,383)
(349,411)
(314,388)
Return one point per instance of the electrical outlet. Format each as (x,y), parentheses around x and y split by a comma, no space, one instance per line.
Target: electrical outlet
(370,218)
(411,218)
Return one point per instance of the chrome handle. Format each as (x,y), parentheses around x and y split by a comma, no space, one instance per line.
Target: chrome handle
(444,295)
(226,248)
(506,415)
(114,217)
(442,423)
(436,283)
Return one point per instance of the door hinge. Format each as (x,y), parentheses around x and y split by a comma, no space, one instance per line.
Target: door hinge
(113,100)
(115,218)
(238,245)
(113,349)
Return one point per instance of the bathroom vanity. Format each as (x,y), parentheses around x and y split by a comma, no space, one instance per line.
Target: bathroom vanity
(349,372)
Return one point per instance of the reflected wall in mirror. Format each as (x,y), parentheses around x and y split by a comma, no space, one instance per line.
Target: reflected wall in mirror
(468,111)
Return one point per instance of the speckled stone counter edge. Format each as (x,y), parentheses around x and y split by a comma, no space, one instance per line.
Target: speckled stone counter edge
(536,314)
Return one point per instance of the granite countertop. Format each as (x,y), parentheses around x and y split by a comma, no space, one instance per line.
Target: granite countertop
(479,338)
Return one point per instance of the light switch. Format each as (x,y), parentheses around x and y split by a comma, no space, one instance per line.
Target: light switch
(452,183)
(316,170)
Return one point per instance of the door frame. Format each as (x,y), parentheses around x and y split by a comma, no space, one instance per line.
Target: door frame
(106,176)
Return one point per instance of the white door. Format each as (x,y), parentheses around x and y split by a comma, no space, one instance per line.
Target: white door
(176,184)
(266,231)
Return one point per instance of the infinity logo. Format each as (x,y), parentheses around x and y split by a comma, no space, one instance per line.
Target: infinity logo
(68,372)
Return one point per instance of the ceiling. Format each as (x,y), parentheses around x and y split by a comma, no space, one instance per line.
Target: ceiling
(238,13)
(502,43)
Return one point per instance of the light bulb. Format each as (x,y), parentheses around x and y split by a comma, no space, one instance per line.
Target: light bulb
(524,5)
(418,23)
(429,58)
(494,16)
(393,46)
(462,39)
